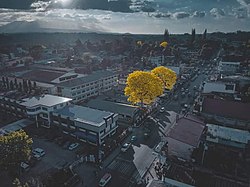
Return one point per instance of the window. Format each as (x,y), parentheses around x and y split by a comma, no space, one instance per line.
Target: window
(83,130)
(55,107)
(229,87)
(38,108)
(44,115)
(44,108)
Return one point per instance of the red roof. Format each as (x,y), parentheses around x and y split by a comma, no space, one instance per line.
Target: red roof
(187,130)
(231,109)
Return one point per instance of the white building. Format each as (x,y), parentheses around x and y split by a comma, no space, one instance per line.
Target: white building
(40,107)
(219,87)
(157,60)
(90,85)
(227,136)
(228,67)
(86,124)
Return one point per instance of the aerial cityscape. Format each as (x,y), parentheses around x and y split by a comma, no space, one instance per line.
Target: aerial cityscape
(125,93)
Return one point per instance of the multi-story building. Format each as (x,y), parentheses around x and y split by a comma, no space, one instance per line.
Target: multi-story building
(157,60)
(86,124)
(229,68)
(41,107)
(90,85)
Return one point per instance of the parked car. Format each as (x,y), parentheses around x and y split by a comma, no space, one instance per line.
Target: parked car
(133,139)
(38,151)
(125,147)
(105,179)
(73,146)
(24,166)
(36,157)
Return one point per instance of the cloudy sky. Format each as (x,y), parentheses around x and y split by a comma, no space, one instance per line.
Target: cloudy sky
(178,16)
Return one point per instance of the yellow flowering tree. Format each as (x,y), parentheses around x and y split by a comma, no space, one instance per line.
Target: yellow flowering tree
(14,148)
(143,87)
(166,75)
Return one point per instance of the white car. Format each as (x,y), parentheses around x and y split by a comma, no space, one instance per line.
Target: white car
(73,146)
(105,179)
(125,147)
(38,151)
(162,109)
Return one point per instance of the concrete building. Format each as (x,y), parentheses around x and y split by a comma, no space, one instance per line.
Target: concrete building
(229,113)
(41,107)
(219,87)
(88,86)
(228,68)
(184,137)
(219,135)
(127,113)
(86,124)
(157,60)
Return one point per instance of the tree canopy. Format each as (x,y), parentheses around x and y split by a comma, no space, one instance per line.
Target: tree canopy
(143,87)
(14,148)
(166,75)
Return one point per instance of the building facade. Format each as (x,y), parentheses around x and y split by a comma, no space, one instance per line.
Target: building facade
(85,87)
(86,124)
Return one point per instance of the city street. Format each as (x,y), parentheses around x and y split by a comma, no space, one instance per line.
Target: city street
(132,166)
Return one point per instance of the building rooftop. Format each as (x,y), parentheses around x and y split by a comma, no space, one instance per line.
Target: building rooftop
(41,75)
(231,109)
(227,136)
(187,130)
(115,107)
(44,100)
(166,183)
(220,87)
(84,114)
(15,126)
(88,78)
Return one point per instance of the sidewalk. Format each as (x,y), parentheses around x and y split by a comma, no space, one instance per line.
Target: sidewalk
(151,173)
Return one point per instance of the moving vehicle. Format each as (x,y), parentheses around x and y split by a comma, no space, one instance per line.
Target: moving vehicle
(105,179)
(73,146)
(162,109)
(125,147)
(133,138)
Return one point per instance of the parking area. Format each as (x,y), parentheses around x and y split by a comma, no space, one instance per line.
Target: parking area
(55,158)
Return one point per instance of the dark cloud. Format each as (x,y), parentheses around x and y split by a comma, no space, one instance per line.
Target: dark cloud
(199,14)
(180,15)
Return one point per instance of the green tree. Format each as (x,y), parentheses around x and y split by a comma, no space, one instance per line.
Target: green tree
(15,83)
(20,87)
(14,148)
(204,36)
(34,84)
(7,83)
(29,85)
(143,87)
(11,85)
(166,35)
(193,36)
(4,82)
